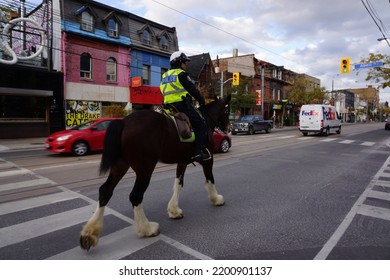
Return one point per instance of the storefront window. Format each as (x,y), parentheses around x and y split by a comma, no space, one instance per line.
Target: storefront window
(22,108)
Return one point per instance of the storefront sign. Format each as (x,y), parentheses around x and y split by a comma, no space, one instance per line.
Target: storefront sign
(78,112)
(136,81)
(146,95)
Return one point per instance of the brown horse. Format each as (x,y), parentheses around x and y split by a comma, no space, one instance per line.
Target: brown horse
(139,141)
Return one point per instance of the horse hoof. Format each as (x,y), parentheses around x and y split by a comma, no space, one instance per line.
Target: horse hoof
(178,217)
(86,242)
(151,230)
(154,229)
(218,200)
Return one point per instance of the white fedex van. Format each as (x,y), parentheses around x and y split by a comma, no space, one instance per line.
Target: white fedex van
(319,118)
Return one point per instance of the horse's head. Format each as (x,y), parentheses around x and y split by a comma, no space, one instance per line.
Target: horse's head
(217,113)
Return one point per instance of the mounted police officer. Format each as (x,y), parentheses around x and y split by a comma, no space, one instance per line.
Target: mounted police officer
(178,90)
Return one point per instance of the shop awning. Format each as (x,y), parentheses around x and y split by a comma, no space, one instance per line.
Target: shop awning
(25,92)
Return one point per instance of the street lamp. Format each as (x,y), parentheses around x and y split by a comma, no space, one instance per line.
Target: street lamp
(384,39)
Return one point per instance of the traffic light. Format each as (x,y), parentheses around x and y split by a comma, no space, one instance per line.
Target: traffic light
(345,65)
(236,78)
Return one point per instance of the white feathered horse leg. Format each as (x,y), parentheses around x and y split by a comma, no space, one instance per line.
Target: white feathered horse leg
(143,227)
(215,198)
(91,231)
(173,209)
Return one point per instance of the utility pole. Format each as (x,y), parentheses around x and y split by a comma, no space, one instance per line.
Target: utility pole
(262,90)
(222,84)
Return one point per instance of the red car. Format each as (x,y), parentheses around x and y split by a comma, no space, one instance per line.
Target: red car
(89,136)
(222,141)
(80,139)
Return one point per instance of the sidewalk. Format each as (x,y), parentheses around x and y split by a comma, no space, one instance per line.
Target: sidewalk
(22,144)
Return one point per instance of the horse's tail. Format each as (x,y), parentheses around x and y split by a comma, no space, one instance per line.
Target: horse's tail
(112,145)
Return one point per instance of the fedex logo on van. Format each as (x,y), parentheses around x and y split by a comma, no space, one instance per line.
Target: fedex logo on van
(329,115)
(310,113)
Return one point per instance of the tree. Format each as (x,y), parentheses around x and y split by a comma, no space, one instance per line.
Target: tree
(377,75)
(300,92)
(242,100)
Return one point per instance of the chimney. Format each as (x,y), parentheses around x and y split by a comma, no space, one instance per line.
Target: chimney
(235,52)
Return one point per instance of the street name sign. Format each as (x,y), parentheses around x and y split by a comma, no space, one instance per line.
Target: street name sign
(369,65)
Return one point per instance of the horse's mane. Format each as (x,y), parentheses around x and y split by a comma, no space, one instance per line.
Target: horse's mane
(209,106)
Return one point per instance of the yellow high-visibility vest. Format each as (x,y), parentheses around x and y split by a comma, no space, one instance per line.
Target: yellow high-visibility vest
(171,88)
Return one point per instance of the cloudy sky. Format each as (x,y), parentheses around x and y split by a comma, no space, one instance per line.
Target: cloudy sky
(305,36)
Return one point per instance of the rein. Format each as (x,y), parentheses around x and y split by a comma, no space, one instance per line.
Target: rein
(208,117)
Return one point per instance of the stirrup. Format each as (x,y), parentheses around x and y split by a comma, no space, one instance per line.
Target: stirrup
(202,156)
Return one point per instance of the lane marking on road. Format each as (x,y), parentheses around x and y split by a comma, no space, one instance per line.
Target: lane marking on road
(374,211)
(347,141)
(371,210)
(329,139)
(3,148)
(10,207)
(111,247)
(385,175)
(14,172)
(66,165)
(25,184)
(166,239)
(285,137)
(27,230)
(6,165)
(369,144)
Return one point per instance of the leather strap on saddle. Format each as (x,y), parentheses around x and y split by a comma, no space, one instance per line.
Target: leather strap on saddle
(183,125)
(181,120)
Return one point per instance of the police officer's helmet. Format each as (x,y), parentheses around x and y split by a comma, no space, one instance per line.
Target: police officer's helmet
(178,57)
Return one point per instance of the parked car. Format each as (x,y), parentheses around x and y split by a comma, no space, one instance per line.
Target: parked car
(387,124)
(251,124)
(81,139)
(222,141)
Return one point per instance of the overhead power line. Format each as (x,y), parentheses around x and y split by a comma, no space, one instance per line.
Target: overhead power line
(371,11)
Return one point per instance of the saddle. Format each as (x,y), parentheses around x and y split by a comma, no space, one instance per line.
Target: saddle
(182,123)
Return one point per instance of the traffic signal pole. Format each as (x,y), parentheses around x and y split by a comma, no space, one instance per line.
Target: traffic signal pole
(223,83)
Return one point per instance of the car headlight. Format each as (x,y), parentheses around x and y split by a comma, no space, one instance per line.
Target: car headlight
(63,138)
(246,124)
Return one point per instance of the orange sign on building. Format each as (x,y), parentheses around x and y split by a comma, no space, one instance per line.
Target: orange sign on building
(136,81)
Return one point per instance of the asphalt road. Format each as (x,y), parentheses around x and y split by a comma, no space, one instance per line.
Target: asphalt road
(287,197)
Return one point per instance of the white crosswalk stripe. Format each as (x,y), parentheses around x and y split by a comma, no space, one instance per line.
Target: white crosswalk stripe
(111,246)
(329,140)
(20,232)
(10,207)
(362,208)
(368,144)
(373,211)
(25,184)
(347,141)
(14,172)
